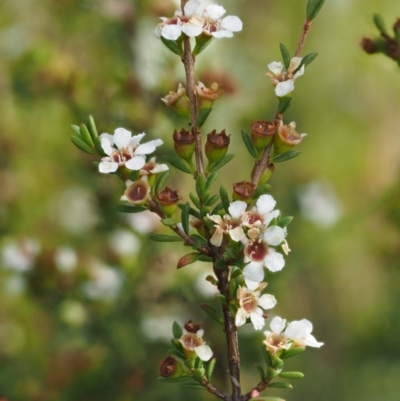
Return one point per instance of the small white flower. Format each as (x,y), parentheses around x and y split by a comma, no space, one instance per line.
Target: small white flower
(20,255)
(217,26)
(250,306)
(192,341)
(151,167)
(123,149)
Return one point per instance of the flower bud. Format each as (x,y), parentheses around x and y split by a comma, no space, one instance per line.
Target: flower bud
(286,138)
(216,145)
(137,192)
(243,191)
(168,200)
(170,368)
(262,133)
(206,96)
(179,101)
(184,144)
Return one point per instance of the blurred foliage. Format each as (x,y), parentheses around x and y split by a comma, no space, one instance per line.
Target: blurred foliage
(82,318)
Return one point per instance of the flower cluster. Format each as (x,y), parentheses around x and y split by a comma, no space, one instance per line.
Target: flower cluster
(196,20)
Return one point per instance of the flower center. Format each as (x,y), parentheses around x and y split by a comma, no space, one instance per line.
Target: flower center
(256,250)
(121,156)
(190,341)
(248,302)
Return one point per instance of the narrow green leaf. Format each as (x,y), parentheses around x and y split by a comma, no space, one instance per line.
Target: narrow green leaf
(198,374)
(202,117)
(307,59)
(195,200)
(99,148)
(292,352)
(189,363)
(261,190)
(165,238)
(76,130)
(221,298)
(200,242)
(134,175)
(178,163)
(168,222)
(280,385)
(193,386)
(210,180)
(291,375)
(285,221)
(200,185)
(92,128)
(217,208)
(266,356)
(200,46)
(284,104)
(160,182)
(85,135)
(205,258)
(220,264)
(220,163)
(82,145)
(188,259)
(233,286)
(177,345)
(249,145)
(224,199)
(286,156)
(380,24)
(176,353)
(313,8)
(210,368)
(185,217)
(173,46)
(192,212)
(236,273)
(212,313)
(212,200)
(271,373)
(173,380)
(261,372)
(285,55)
(129,208)
(277,363)
(177,330)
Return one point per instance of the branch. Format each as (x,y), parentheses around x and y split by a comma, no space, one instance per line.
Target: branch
(260,387)
(213,390)
(303,37)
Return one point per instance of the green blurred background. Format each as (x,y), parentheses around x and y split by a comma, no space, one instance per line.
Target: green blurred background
(87,302)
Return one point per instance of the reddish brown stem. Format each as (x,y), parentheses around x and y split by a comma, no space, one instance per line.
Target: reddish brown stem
(306,27)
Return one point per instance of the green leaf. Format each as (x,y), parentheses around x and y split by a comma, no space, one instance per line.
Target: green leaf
(221,298)
(200,242)
(200,46)
(185,217)
(277,363)
(249,145)
(200,185)
(192,212)
(280,385)
(286,156)
(99,148)
(285,55)
(129,208)
(233,286)
(202,117)
(205,258)
(220,163)
(176,353)
(198,374)
(271,373)
(193,386)
(165,238)
(292,352)
(236,273)
(92,128)
(313,8)
(217,208)
(266,356)
(188,259)
(285,221)
(178,163)
(168,222)
(173,46)
(212,313)
(212,200)
(210,368)
(160,182)
(224,199)
(195,200)
(177,345)
(76,130)
(261,190)
(380,24)
(177,330)
(307,59)
(173,380)
(85,135)
(291,375)
(210,180)
(134,175)
(82,145)
(261,372)
(284,104)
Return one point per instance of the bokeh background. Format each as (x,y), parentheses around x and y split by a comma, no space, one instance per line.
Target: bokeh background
(87,301)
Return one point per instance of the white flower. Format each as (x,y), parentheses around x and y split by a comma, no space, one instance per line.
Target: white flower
(284,80)
(217,26)
(192,341)
(123,149)
(250,303)
(20,255)
(151,167)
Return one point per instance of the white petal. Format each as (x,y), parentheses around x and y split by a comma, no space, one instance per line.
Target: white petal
(192,30)
(214,11)
(232,23)
(252,285)
(136,140)
(171,32)
(159,168)
(267,301)
(237,208)
(216,239)
(274,261)
(274,235)
(265,204)
(190,7)
(222,33)
(298,329)
(203,352)
(237,233)
(294,63)
(148,147)
(312,342)
(270,216)
(275,67)
(240,318)
(200,333)
(277,324)
(284,88)
(107,143)
(254,272)
(136,163)
(107,166)
(122,137)
(299,73)
(257,319)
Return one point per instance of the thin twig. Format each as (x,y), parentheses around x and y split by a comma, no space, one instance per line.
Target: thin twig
(260,387)
(218,393)
(304,32)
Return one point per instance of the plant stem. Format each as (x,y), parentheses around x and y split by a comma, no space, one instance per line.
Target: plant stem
(306,27)
(260,387)
(213,390)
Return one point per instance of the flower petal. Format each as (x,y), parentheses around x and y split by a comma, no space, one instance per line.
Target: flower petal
(107,142)
(300,72)
(136,140)
(254,272)
(232,23)
(312,342)
(192,30)
(214,12)
(122,137)
(159,168)
(252,285)
(294,63)
(222,33)
(240,318)
(237,233)
(204,352)
(171,32)
(190,7)
(237,208)
(277,324)
(284,88)
(136,163)
(272,215)
(216,239)
(149,147)
(274,235)
(267,301)
(107,166)
(265,204)
(257,319)
(274,261)
(275,67)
